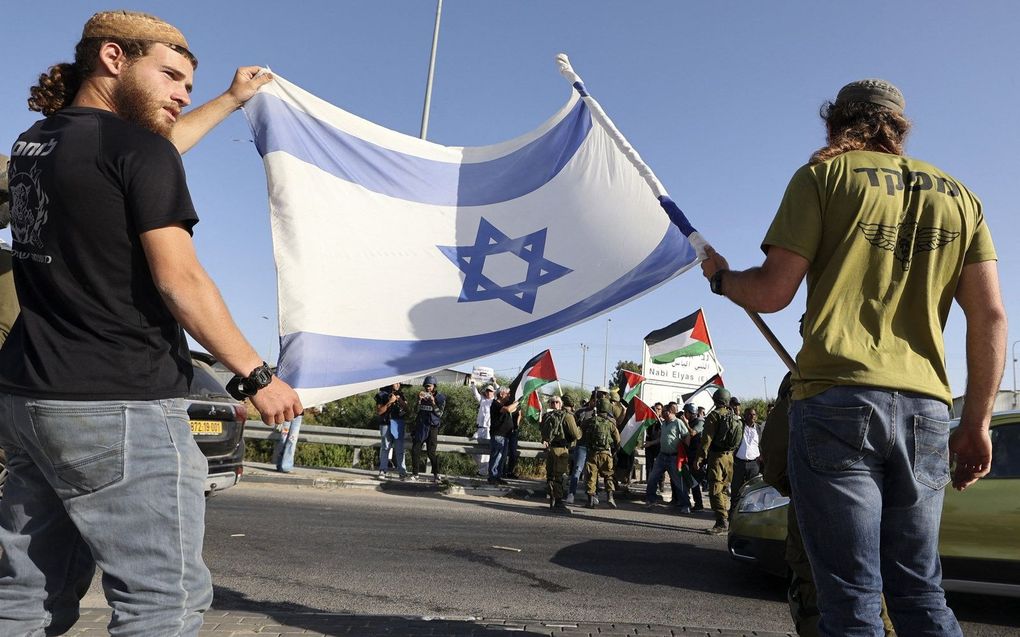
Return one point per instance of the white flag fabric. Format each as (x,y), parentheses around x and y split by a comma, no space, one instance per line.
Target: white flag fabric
(397,256)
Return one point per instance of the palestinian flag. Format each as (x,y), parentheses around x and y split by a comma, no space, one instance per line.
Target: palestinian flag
(533,407)
(640,417)
(686,337)
(631,385)
(535,373)
(715,381)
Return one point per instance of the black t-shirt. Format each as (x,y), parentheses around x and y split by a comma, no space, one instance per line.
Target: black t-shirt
(502,421)
(84,185)
(394,411)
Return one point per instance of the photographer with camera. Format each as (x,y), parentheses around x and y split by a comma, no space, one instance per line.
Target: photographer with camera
(426,428)
(390,410)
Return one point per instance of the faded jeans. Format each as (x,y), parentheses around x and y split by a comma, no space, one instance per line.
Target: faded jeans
(497,457)
(391,437)
(868,469)
(285,448)
(118,484)
(578,456)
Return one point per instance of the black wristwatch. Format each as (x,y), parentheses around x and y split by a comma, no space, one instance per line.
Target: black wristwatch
(241,387)
(715,282)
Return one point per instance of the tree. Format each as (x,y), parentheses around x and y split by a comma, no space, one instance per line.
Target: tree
(630,366)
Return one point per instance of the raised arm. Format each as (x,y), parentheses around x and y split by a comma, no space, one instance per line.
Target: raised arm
(767,288)
(194,124)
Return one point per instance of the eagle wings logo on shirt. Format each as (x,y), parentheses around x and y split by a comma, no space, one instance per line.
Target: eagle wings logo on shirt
(905,239)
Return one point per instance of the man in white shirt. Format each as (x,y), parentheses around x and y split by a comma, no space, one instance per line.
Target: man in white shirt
(745,462)
(482,421)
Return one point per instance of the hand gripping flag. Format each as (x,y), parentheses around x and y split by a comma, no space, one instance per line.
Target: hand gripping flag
(686,337)
(631,384)
(396,256)
(536,372)
(639,417)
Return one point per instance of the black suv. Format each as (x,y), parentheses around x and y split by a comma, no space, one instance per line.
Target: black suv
(217,423)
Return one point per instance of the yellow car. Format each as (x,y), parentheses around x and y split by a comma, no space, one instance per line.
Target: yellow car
(979,536)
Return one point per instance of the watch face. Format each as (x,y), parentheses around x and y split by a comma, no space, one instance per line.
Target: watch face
(262,376)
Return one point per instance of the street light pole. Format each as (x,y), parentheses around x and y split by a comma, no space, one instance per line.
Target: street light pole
(432,72)
(1013,350)
(584,352)
(605,361)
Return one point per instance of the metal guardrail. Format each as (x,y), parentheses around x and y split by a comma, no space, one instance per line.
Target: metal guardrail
(358,438)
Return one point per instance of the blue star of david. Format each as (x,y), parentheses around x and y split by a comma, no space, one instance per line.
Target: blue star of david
(490,241)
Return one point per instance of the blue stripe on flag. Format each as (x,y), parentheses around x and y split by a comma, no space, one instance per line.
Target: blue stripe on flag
(327,361)
(279,126)
(676,215)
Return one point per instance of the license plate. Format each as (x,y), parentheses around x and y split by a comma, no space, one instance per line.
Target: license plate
(206,427)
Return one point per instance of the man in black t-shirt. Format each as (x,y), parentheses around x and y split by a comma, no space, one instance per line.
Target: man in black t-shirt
(102,464)
(391,410)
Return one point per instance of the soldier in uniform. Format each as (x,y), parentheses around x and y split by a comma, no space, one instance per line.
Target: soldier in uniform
(559,432)
(721,437)
(623,463)
(601,438)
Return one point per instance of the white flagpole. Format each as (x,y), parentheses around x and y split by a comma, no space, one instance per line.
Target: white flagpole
(432,72)
(697,240)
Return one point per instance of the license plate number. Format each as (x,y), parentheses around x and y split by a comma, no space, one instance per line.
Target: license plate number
(206,427)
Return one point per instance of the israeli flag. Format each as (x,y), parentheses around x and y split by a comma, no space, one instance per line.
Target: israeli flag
(397,256)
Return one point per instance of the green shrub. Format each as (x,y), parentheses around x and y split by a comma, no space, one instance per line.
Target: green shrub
(258,450)
(457,464)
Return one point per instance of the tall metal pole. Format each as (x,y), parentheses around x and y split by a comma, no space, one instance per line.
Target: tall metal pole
(584,352)
(605,361)
(765,386)
(432,72)
(1014,374)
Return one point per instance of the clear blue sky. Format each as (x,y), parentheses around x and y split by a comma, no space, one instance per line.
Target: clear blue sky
(721,99)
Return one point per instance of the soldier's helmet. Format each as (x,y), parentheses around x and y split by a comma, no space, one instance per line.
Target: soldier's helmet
(722,397)
(603,406)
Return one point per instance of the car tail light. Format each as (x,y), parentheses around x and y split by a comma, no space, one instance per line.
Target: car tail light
(240,413)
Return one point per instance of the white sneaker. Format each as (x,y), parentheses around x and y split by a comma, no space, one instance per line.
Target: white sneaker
(570,499)
(382,475)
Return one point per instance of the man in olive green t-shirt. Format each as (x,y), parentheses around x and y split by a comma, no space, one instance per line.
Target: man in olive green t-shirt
(886,243)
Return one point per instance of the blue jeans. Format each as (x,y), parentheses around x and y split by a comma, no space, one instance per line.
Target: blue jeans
(579,455)
(286,446)
(666,462)
(497,456)
(115,483)
(868,468)
(391,436)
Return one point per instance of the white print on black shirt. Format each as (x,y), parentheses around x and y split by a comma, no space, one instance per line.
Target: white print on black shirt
(33,149)
(28,207)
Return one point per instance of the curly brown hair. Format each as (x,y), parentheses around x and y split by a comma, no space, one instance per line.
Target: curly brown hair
(861,126)
(58,86)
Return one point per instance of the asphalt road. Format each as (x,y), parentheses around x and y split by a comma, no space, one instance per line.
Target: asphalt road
(344,550)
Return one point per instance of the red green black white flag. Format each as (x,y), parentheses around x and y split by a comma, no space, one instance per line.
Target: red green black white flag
(686,337)
(631,384)
(536,372)
(640,417)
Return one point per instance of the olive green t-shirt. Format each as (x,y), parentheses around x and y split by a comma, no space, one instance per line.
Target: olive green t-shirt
(887,237)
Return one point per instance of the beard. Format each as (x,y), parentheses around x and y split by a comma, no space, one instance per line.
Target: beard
(136,104)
